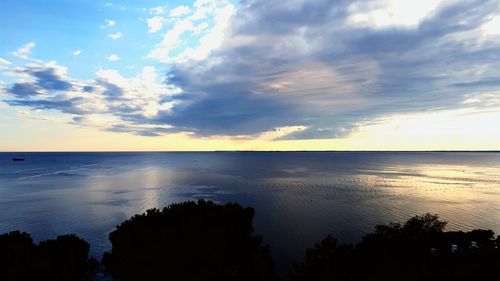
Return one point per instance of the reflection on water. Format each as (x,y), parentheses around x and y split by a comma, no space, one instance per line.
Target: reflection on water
(298,197)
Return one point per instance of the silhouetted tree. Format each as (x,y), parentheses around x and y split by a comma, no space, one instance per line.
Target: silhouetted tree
(17,255)
(189,241)
(396,251)
(326,261)
(424,225)
(416,250)
(65,258)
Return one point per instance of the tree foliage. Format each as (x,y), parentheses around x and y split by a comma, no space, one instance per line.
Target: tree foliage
(419,249)
(206,241)
(323,262)
(63,259)
(189,241)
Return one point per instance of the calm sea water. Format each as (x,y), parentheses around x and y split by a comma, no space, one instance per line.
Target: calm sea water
(299,197)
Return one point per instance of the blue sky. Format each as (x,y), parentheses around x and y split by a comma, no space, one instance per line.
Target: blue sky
(250,74)
(59,28)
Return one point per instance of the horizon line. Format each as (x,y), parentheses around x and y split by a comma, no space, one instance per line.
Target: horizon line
(191,151)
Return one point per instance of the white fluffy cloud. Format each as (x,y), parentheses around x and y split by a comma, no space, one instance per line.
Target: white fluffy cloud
(171,39)
(4,62)
(141,92)
(108,23)
(25,51)
(77,52)
(219,11)
(212,40)
(113,57)
(116,35)
(180,11)
(155,24)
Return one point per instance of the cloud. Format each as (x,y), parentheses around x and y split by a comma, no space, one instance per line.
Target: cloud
(308,64)
(305,70)
(171,40)
(113,57)
(65,106)
(41,79)
(180,11)
(157,10)
(25,51)
(4,66)
(108,23)
(200,27)
(171,50)
(155,24)
(213,38)
(77,52)
(116,35)
(23,89)
(121,102)
(388,13)
(492,27)
(4,62)
(142,130)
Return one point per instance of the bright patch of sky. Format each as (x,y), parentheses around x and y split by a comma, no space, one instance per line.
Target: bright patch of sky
(387,13)
(492,27)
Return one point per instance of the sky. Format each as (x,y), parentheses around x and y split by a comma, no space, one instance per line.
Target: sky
(165,75)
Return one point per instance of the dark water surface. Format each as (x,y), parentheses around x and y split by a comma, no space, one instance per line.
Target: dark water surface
(299,197)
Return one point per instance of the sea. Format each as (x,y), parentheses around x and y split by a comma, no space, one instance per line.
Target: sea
(299,197)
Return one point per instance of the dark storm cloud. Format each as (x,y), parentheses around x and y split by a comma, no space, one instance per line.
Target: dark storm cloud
(302,63)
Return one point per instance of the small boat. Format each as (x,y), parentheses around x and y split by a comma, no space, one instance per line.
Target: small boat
(18,158)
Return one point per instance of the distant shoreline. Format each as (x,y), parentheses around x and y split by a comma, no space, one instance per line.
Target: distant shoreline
(265,151)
